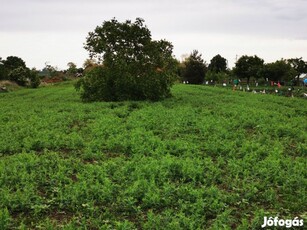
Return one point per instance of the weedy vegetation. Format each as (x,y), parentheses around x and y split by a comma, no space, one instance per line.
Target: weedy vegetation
(206,158)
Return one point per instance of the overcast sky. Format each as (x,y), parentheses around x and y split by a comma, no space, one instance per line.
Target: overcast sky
(54,31)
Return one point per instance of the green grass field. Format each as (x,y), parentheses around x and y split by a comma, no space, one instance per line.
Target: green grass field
(207,158)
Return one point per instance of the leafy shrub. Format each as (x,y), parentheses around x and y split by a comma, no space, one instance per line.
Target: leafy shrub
(4,219)
(34,79)
(216,76)
(19,75)
(24,77)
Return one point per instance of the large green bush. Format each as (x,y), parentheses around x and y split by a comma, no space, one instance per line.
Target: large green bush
(15,69)
(23,76)
(19,75)
(134,67)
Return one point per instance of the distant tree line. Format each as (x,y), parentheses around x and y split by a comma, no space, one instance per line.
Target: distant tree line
(14,69)
(194,69)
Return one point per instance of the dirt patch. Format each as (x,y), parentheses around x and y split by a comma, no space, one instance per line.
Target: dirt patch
(60,216)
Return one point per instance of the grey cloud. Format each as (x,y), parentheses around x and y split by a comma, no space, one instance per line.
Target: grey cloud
(225,16)
(191,19)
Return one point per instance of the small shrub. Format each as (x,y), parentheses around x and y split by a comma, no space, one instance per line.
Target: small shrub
(34,79)
(4,219)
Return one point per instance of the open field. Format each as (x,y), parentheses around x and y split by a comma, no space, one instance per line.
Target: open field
(207,158)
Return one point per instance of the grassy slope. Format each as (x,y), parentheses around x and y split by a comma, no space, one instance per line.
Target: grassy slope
(206,158)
